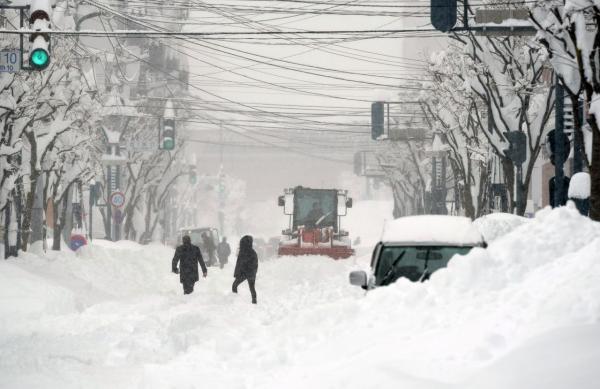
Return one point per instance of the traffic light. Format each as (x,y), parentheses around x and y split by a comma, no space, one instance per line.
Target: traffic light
(377,119)
(167,141)
(443,14)
(517,146)
(553,150)
(39,21)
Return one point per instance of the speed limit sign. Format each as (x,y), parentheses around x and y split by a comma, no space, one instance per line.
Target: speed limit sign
(117,199)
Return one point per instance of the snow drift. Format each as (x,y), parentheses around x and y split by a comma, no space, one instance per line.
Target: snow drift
(523,313)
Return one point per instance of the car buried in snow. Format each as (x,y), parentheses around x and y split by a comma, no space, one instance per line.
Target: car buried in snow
(414,247)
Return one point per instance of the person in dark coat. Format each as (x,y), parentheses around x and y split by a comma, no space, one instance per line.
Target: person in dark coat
(223,252)
(187,256)
(246,266)
(210,248)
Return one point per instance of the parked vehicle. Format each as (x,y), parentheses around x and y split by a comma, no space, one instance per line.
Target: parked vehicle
(195,234)
(415,247)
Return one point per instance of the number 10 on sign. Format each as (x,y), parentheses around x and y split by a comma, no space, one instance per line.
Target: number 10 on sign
(10,61)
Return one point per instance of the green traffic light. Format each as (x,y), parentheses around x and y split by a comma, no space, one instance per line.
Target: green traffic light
(39,59)
(168,144)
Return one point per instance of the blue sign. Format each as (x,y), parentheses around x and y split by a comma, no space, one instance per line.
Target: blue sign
(77,241)
(10,61)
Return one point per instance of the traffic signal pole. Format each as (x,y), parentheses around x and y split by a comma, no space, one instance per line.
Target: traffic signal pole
(560,152)
(578,143)
(520,190)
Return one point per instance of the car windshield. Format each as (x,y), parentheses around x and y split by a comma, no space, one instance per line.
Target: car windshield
(416,263)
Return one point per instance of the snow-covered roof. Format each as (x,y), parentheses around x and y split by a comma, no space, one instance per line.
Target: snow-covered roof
(432,229)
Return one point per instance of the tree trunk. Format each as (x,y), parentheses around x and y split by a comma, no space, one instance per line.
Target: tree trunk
(59,227)
(57,230)
(147,234)
(33,178)
(484,191)
(595,173)
(398,203)
(509,178)
(468,201)
(128,217)
(26,224)
(37,216)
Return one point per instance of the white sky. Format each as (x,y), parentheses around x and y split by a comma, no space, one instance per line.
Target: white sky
(300,99)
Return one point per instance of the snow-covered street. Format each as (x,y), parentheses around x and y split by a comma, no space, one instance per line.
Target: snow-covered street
(523,313)
(403,194)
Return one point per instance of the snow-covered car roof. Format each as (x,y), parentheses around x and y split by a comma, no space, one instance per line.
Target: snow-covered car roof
(432,229)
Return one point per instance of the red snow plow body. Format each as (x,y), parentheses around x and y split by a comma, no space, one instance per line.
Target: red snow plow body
(315,216)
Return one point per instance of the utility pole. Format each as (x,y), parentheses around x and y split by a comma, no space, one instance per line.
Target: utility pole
(221,183)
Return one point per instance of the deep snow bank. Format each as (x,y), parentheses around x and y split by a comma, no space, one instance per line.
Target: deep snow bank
(496,225)
(488,306)
(523,313)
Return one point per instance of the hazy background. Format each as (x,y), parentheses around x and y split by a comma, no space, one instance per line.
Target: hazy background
(288,156)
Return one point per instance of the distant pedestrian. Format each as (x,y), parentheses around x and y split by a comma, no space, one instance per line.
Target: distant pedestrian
(246,266)
(223,252)
(188,256)
(210,248)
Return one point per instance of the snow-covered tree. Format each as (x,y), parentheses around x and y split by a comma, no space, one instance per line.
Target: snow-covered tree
(570,32)
(506,73)
(456,114)
(406,167)
(42,113)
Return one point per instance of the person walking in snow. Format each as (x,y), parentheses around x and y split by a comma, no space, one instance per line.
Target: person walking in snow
(188,256)
(223,252)
(210,248)
(246,267)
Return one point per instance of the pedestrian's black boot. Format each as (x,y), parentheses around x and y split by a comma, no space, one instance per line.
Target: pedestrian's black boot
(253,301)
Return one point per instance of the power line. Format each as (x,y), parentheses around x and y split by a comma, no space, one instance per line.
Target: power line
(152,33)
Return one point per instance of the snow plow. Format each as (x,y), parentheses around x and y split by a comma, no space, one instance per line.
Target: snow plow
(315,220)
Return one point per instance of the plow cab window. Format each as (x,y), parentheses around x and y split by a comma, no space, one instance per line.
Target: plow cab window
(315,208)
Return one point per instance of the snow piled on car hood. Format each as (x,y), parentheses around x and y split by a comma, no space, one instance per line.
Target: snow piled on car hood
(523,313)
